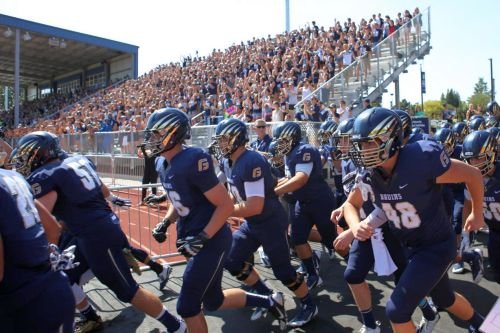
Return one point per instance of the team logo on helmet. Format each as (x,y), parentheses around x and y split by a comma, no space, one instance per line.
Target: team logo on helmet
(229,135)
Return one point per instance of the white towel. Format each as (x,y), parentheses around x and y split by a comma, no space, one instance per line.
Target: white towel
(383,262)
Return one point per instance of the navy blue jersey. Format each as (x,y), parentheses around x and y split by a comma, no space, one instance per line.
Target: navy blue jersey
(327,153)
(458,188)
(491,201)
(26,253)
(411,198)
(189,175)
(80,203)
(261,145)
(316,185)
(251,167)
(417,137)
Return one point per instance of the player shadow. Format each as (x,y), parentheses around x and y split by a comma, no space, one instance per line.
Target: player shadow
(129,317)
(481,298)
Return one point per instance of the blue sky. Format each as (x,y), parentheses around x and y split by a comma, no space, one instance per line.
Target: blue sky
(464,32)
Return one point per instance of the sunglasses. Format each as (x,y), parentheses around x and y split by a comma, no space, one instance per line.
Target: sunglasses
(260,126)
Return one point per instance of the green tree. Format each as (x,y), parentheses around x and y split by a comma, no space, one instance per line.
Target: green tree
(405,105)
(432,109)
(480,100)
(452,98)
(481,96)
(481,87)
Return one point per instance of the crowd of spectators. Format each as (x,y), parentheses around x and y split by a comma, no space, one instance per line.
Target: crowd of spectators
(263,78)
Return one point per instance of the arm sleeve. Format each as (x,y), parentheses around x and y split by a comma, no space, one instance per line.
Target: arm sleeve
(255,189)
(305,168)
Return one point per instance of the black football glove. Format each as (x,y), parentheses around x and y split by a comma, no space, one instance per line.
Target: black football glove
(120,202)
(155,199)
(192,245)
(160,230)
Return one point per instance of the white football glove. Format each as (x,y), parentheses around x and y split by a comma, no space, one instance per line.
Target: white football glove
(62,261)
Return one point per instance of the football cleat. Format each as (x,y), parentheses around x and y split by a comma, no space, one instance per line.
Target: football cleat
(477,266)
(426,326)
(277,308)
(264,259)
(182,327)
(314,281)
(84,326)
(164,275)
(316,255)
(259,313)
(457,268)
(366,329)
(306,314)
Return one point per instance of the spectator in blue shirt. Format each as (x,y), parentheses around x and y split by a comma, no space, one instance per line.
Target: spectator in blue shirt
(263,139)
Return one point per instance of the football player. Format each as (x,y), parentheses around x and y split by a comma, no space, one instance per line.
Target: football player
(201,205)
(251,184)
(71,189)
(28,286)
(413,203)
(315,200)
(479,150)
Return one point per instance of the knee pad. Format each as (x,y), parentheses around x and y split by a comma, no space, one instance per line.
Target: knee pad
(243,273)
(213,304)
(443,300)
(397,314)
(295,283)
(78,293)
(351,276)
(187,309)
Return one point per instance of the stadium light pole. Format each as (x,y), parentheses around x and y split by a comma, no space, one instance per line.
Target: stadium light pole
(287,15)
(492,80)
(422,88)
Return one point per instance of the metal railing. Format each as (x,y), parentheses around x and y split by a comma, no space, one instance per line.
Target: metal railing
(369,74)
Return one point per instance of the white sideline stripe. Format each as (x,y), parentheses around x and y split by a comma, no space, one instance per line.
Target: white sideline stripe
(211,279)
(116,266)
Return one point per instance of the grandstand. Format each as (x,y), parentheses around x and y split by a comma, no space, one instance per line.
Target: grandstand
(247,80)
(48,68)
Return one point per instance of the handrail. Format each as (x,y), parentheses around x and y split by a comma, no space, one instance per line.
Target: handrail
(355,63)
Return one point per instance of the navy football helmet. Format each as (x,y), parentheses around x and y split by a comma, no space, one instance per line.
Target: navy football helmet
(477,123)
(490,121)
(446,125)
(342,137)
(493,109)
(382,130)
(326,131)
(482,147)
(416,130)
(275,159)
(287,137)
(165,129)
(447,138)
(229,135)
(460,130)
(35,150)
(406,122)
(495,132)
